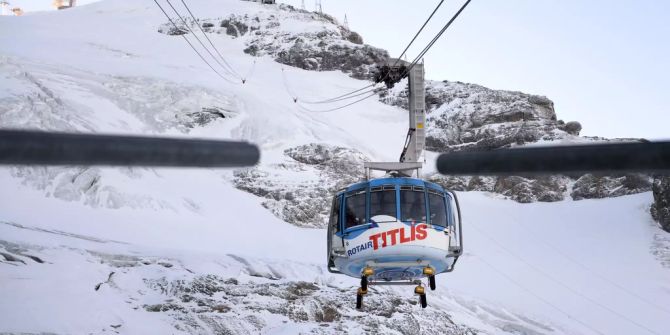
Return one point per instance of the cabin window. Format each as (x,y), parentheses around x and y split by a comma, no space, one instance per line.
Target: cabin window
(438,210)
(382,205)
(354,209)
(335,215)
(413,205)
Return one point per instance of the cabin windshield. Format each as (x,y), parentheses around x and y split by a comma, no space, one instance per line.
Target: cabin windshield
(334,221)
(354,208)
(438,210)
(413,205)
(383,205)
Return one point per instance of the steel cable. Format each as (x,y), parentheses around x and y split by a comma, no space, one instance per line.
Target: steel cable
(192,46)
(210,42)
(198,39)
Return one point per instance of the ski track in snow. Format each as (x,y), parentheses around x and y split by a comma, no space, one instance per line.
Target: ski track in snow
(132,251)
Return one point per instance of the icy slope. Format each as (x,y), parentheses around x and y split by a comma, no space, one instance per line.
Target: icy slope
(191,253)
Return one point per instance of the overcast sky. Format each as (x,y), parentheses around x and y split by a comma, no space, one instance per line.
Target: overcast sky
(603,63)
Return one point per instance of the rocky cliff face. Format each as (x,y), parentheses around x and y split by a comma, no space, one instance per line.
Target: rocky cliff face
(223,305)
(300,189)
(660,210)
(320,44)
(471,117)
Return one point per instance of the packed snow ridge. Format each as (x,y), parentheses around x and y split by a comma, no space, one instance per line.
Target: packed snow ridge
(184,251)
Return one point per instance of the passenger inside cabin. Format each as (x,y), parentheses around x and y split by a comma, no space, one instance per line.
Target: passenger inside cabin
(354,211)
(413,205)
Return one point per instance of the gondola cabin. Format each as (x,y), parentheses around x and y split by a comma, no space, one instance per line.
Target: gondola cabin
(394,231)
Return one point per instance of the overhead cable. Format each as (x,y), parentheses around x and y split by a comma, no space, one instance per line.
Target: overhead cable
(198,39)
(419,32)
(353,94)
(437,37)
(337,108)
(232,70)
(193,47)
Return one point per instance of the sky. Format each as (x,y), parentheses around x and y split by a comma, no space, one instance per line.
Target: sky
(603,63)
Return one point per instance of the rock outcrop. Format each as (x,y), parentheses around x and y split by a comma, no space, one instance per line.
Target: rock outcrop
(299,190)
(223,305)
(660,209)
(471,117)
(590,186)
(325,46)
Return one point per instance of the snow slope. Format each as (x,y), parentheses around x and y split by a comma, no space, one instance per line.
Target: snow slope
(131,251)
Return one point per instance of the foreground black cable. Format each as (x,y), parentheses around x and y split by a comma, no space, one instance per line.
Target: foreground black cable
(590,158)
(193,47)
(19,147)
(210,42)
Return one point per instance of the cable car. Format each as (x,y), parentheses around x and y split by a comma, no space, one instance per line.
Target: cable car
(395,230)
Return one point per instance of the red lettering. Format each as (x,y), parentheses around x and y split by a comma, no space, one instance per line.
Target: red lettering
(374,239)
(421,232)
(403,238)
(393,233)
(398,236)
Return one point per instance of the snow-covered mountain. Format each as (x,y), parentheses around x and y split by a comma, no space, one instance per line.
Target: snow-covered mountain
(185,251)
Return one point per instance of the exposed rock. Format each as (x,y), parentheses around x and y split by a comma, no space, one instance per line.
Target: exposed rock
(328,312)
(331,47)
(589,186)
(525,190)
(235,26)
(660,209)
(324,168)
(472,117)
(176,31)
(573,127)
(328,55)
(203,117)
(465,183)
(354,37)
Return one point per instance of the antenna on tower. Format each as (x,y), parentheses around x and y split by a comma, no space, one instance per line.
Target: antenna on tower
(346,22)
(303,5)
(320,8)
